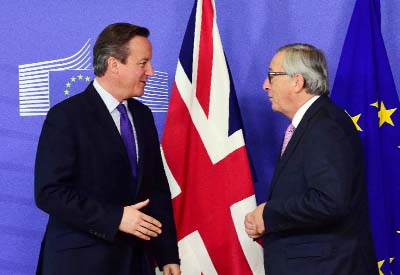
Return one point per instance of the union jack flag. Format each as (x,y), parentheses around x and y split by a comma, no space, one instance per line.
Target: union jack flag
(205,157)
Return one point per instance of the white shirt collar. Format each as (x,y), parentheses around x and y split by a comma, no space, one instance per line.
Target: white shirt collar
(110,101)
(303,109)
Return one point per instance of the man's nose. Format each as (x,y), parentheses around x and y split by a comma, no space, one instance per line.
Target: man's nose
(266,85)
(150,70)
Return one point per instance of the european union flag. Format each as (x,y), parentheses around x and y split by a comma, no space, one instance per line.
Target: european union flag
(364,87)
(66,83)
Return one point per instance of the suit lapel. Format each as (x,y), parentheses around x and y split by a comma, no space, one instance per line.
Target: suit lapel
(295,140)
(101,116)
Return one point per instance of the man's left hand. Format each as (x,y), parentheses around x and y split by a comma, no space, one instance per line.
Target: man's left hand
(254,222)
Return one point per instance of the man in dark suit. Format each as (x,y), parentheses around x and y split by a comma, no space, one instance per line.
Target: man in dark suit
(99,172)
(315,220)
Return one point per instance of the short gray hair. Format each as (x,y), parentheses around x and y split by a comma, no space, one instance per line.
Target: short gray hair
(310,62)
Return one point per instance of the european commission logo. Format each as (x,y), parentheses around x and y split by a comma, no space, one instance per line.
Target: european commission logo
(44,84)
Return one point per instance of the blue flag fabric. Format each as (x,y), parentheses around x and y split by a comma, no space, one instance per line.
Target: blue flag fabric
(365,88)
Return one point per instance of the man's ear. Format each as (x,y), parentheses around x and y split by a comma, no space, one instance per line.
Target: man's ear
(298,82)
(112,64)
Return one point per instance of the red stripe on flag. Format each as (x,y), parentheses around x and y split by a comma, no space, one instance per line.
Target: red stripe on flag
(208,190)
(204,70)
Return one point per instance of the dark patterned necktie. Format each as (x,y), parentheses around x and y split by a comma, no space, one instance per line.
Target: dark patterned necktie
(128,138)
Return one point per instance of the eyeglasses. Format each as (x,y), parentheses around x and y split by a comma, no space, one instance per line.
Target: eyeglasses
(272,74)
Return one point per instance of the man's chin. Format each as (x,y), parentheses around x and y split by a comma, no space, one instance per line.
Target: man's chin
(137,93)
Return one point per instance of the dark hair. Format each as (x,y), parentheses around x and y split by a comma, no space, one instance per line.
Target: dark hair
(113,41)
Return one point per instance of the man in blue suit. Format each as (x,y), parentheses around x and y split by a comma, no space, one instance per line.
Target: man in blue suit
(315,220)
(99,173)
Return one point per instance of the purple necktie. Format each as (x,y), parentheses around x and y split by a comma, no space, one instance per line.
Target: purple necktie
(128,138)
(288,135)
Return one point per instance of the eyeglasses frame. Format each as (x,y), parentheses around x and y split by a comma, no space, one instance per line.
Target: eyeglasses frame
(272,74)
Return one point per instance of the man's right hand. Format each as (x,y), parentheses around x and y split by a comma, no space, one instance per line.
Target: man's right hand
(139,224)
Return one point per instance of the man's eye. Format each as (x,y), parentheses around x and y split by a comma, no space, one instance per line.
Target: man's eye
(142,63)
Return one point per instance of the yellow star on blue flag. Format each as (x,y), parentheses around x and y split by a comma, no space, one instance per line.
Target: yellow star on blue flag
(385,115)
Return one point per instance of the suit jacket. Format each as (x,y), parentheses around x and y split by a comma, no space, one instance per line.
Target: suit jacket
(83,180)
(316,216)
